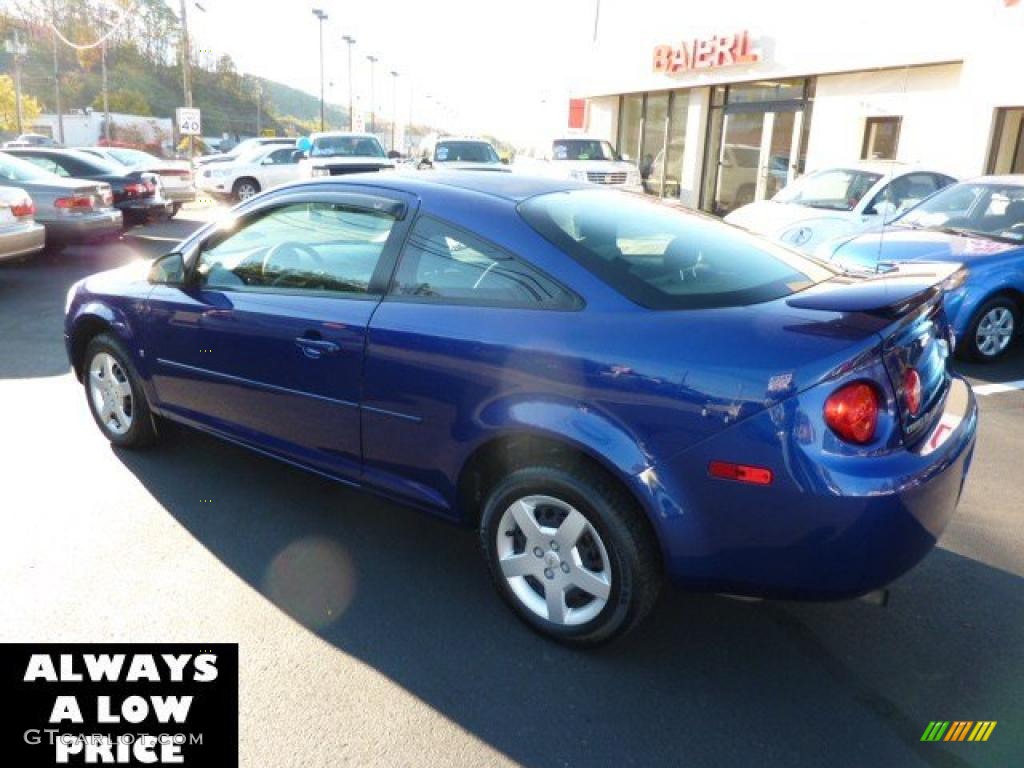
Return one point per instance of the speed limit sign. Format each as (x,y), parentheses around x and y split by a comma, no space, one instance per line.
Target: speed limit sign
(188,121)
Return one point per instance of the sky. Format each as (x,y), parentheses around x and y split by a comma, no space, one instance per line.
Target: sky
(487,67)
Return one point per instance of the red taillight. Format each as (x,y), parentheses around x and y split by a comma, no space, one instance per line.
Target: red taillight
(852,412)
(25,208)
(74,203)
(135,189)
(744,473)
(912,391)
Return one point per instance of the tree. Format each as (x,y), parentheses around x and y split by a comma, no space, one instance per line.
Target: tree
(30,108)
(128,102)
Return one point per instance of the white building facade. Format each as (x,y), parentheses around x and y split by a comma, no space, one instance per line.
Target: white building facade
(724,104)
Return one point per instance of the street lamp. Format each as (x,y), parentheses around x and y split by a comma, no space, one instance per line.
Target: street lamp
(394,107)
(351,114)
(373,107)
(322,16)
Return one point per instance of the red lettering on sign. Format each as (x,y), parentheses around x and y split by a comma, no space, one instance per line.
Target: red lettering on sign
(706,53)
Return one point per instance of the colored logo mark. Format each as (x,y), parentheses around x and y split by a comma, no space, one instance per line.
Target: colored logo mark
(958,730)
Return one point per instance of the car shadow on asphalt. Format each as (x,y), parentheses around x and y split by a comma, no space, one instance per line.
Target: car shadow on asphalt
(706,681)
(1009,368)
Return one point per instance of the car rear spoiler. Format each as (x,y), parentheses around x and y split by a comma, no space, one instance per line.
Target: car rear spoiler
(889,295)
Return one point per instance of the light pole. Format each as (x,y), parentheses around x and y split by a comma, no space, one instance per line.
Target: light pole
(107,22)
(259,108)
(186,71)
(351,114)
(373,106)
(394,108)
(18,50)
(56,75)
(322,16)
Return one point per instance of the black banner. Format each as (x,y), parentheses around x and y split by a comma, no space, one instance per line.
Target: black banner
(119,704)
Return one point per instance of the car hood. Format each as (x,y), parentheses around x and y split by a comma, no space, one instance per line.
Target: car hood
(607,166)
(897,244)
(383,162)
(128,279)
(462,165)
(770,218)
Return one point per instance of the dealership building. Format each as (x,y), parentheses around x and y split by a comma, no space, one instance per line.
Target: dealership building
(722,104)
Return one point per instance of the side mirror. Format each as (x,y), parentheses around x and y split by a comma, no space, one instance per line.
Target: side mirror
(884,209)
(504,161)
(267,161)
(169,269)
(298,155)
(425,163)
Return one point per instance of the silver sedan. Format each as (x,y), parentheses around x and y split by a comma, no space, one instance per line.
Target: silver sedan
(20,235)
(72,210)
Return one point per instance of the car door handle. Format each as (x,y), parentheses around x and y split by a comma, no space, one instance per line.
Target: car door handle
(316,348)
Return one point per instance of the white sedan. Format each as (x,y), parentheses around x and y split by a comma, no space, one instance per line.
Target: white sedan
(251,172)
(840,201)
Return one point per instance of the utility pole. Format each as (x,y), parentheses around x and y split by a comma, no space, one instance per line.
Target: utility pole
(17,49)
(259,108)
(106,102)
(351,110)
(56,74)
(373,106)
(186,71)
(394,108)
(322,16)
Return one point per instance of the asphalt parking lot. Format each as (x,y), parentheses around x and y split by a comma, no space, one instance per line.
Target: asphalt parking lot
(371,634)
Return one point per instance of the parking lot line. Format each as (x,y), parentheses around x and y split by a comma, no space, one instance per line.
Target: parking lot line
(994,389)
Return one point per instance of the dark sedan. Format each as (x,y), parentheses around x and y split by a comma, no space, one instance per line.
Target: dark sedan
(137,194)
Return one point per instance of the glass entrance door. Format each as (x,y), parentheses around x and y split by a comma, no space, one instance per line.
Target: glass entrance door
(756,156)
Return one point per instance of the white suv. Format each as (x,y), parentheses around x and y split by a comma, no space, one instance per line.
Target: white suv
(340,152)
(593,160)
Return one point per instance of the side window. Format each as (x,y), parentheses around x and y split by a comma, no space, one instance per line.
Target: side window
(283,156)
(321,248)
(904,192)
(448,264)
(45,163)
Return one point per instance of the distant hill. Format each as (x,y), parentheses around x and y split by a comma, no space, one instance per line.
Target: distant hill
(140,83)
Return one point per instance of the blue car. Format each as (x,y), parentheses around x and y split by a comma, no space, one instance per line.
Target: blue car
(979,224)
(610,390)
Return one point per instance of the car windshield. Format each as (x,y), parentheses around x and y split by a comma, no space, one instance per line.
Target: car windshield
(582,149)
(837,189)
(465,152)
(664,258)
(346,146)
(982,208)
(16,169)
(132,156)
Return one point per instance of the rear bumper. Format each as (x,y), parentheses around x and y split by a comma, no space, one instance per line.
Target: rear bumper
(146,209)
(84,227)
(178,195)
(21,240)
(828,527)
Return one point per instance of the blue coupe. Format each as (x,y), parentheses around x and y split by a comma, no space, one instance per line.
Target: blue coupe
(610,390)
(979,224)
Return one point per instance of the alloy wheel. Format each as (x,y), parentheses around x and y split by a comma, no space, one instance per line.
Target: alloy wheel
(995,330)
(245,191)
(111,393)
(554,560)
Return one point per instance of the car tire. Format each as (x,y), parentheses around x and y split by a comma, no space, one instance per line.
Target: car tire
(244,189)
(114,394)
(586,569)
(992,330)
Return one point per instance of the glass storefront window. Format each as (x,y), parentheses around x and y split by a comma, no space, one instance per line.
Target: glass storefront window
(1007,153)
(630,117)
(881,138)
(652,150)
(673,171)
(766,90)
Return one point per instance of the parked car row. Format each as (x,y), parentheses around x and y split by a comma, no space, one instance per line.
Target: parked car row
(85,193)
(882,217)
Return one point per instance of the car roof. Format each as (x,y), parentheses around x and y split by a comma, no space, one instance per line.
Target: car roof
(353,134)
(507,186)
(1002,178)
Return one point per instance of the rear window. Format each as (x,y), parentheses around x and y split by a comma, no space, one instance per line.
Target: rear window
(664,258)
